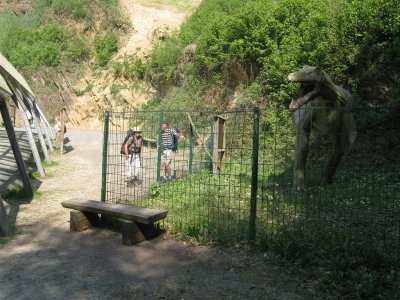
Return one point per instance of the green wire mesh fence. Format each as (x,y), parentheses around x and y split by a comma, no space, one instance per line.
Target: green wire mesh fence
(232,179)
(210,183)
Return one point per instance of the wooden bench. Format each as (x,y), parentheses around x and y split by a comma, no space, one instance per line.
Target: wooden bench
(137,226)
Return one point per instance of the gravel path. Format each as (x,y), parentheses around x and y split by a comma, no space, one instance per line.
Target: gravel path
(43,260)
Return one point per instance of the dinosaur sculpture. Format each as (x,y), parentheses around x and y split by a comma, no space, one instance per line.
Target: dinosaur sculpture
(320,107)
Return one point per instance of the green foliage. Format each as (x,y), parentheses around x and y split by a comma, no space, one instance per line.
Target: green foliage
(204,16)
(47,37)
(21,196)
(106,45)
(115,88)
(341,267)
(77,9)
(112,17)
(203,215)
(78,49)
(131,67)
(318,229)
(34,47)
(353,40)
(165,58)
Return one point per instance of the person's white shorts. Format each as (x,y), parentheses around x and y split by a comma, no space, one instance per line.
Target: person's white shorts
(166,156)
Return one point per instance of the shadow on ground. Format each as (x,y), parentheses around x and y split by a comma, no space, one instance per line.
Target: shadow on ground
(94,265)
(11,187)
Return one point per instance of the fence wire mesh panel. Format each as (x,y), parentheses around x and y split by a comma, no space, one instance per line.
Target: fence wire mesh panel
(361,206)
(209,194)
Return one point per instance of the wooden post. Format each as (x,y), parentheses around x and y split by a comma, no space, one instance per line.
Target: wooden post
(32,143)
(62,120)
(80,221)
(219,144)
(40,135)
(48,137)
(12,112)
(254,176)
(4,225)
(134,233)
(46,123)
(15,148)
(41,119)
(159,153)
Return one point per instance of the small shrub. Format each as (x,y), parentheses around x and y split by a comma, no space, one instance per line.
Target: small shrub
(132,67)
(105,45)
(78,9)
(35,48)
(78,49)
(115,88)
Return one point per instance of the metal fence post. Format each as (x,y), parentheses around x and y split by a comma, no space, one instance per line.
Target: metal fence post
(191,149)
(104,161)
(211,143)
(254,175)
(159,147)
(62,120)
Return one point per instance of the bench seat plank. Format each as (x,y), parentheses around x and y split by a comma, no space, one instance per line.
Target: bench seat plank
(133,213)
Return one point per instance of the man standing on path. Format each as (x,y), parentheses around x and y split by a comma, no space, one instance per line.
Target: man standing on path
(167,146)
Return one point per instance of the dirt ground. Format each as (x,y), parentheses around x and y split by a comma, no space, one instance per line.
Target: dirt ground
(44,260)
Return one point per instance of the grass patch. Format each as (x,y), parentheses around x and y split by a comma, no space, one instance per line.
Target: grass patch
(20,195)
(204,211)
(116,88)
(50,169)
(345,236)
(88,88)
(53,163)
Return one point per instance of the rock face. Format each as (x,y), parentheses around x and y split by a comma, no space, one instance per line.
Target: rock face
(105,92)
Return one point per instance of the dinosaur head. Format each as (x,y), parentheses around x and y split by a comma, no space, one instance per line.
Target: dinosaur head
(310,79)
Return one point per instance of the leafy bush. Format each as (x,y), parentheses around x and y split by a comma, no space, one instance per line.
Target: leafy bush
(112,17)
(43,37)
(355,41)
(165,59)
(40,47)
(105,45)
(131,67)
(78,49)
(77,9)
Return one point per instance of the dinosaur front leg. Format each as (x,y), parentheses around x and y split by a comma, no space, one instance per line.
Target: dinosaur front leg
(301,150)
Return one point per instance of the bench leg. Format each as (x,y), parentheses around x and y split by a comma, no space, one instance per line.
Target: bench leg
(80,221)
(134,233)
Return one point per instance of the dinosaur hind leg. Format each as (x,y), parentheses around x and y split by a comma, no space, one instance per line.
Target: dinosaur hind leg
(335,155)
(302,141)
